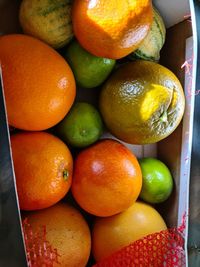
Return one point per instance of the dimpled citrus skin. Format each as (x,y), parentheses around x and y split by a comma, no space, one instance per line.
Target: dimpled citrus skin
(107,178)
(49,21)
(43,168)
(111,29)
(66,231)
(142,102)
(39,84)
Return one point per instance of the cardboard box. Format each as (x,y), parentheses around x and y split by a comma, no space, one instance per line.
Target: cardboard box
(175,150)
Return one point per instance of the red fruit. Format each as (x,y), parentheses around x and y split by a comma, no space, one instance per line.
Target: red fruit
(107,178)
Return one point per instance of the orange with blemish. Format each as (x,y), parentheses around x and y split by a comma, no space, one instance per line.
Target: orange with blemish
(107,178)
(66,231)
(43,168)
(111,29)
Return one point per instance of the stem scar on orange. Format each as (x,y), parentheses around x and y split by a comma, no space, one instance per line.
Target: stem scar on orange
(111,29)
(107,178)
(43,167)
(39,84)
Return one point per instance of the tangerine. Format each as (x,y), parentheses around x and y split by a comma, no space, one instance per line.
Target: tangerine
(111,29)
(43,167)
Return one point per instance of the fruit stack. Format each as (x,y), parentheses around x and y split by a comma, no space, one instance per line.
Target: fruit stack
(92,194)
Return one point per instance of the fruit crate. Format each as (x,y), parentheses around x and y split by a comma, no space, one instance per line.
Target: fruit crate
(179,55)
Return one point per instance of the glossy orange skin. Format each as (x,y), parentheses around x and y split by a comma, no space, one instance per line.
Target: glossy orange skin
(111,29)
(107,178)
(66,231)
(121,230)
(39,84)
(40,160)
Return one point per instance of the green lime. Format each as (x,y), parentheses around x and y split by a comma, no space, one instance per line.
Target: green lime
(82,126)
(89,71)
(157,181)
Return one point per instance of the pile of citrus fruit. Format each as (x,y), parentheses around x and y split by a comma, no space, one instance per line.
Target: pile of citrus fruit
(57,145)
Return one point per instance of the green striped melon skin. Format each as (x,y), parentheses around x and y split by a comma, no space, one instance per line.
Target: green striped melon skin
(154,41)
(47,20)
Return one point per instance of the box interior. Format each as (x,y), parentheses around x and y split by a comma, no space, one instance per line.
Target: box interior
(172,56)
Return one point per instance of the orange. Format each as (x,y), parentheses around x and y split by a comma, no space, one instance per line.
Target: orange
(66,231)
(43,169)
(107,178)
(111,29)
(142,102)
(113,233)
(39,84)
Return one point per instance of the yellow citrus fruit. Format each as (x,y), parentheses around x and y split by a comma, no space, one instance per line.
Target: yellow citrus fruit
(142,102)
(49,21)
(113,233)
(66,231)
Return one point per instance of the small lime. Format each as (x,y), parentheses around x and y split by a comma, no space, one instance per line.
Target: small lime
(82,126)
(157,181)
(89,71)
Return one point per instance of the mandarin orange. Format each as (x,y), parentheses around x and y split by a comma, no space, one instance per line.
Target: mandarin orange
(107,178)
(43,167)
(111,29)
(39,84)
